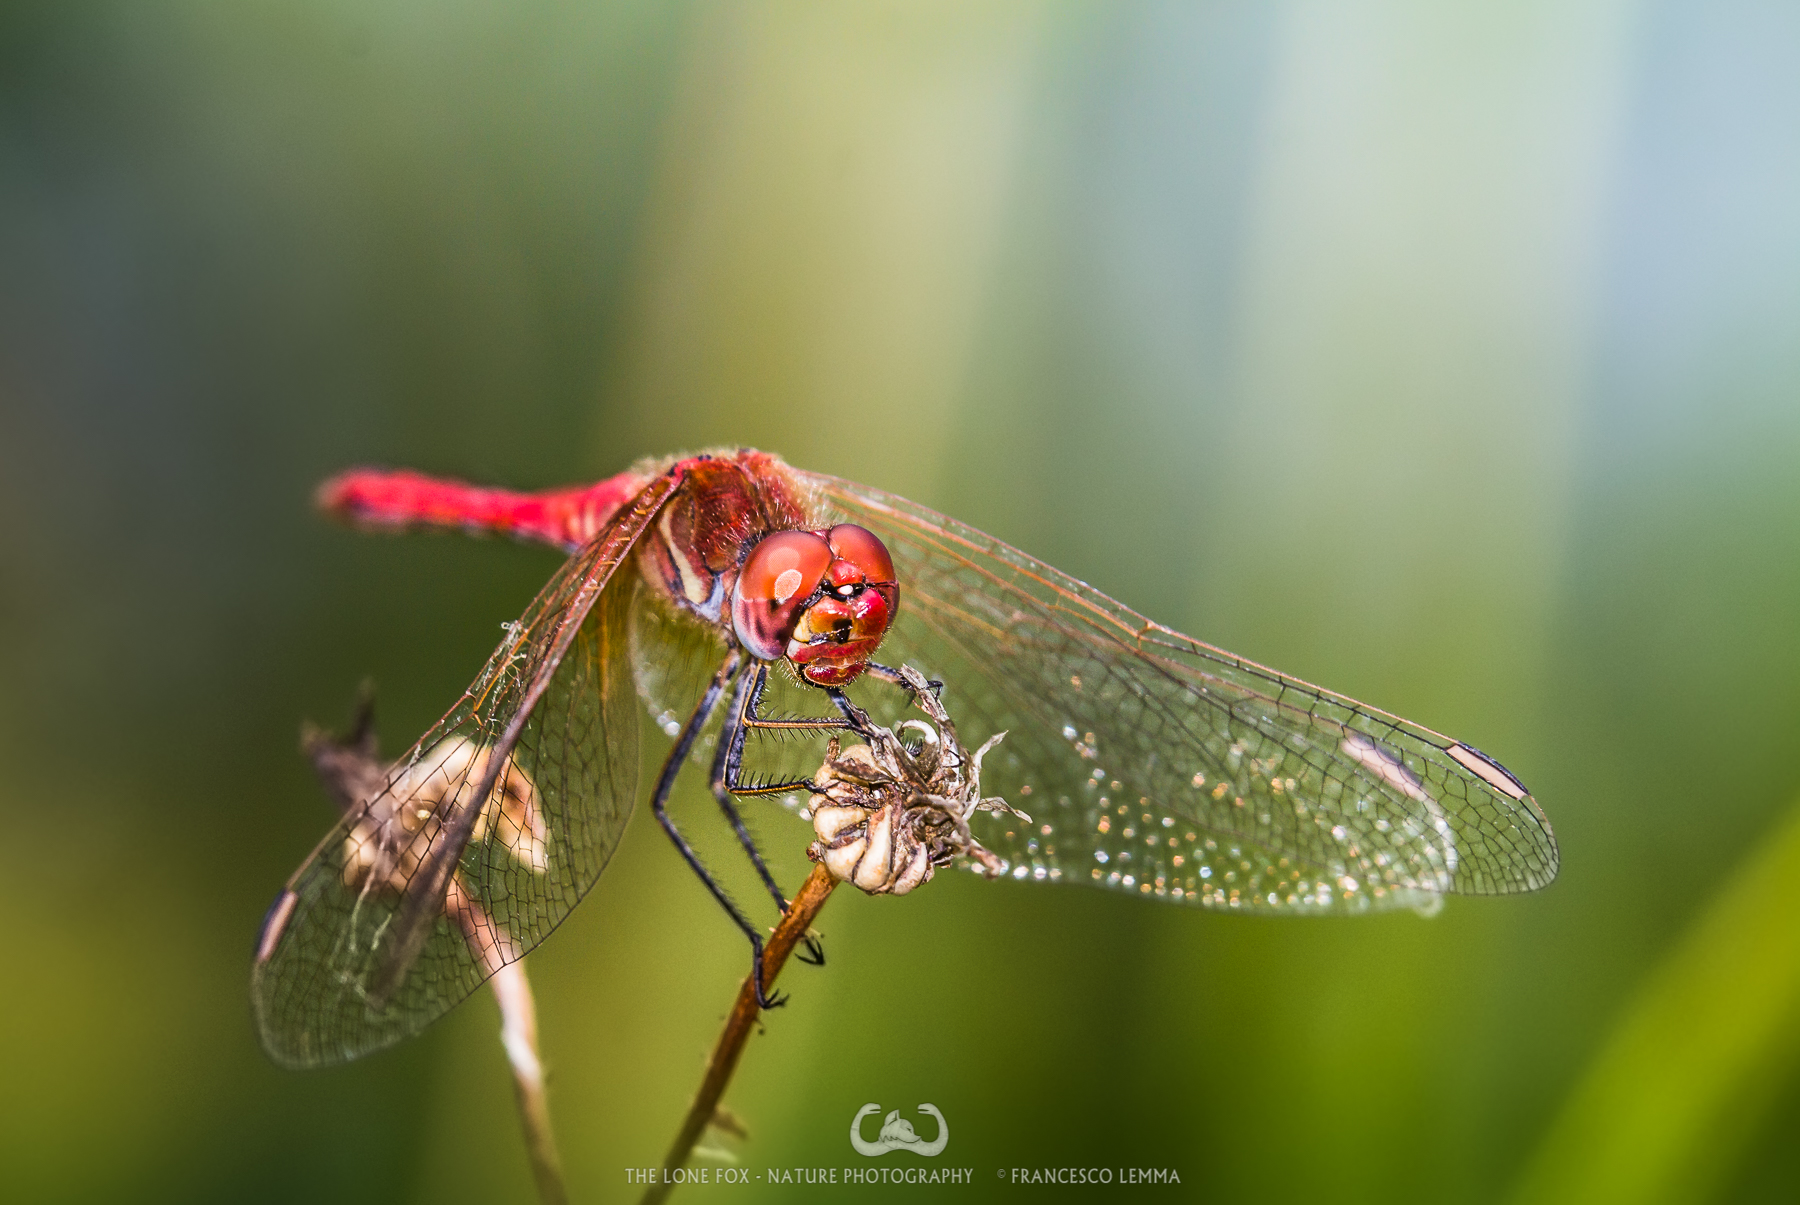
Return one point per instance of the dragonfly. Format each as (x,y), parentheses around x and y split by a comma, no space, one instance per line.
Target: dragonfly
(1135,758)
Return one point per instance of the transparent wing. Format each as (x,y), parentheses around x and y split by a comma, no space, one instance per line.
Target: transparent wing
(676,656)
(484,836)
(1152,763)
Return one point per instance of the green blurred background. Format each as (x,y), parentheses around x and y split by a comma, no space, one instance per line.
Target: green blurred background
(1445,355)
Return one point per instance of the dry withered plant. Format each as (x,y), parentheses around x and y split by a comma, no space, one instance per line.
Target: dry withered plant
(384,851)
(887,814)
(889,811)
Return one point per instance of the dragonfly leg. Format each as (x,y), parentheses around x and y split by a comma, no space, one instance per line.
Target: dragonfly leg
(759,680)
(728,764)
(728,780)
(725,769)
(850,722)
(892,677)
(659,804)
(729,772)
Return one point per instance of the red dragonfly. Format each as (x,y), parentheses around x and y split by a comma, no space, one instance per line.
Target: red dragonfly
(1148,762)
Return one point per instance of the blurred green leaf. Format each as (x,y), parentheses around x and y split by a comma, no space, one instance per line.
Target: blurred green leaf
(1699,1057)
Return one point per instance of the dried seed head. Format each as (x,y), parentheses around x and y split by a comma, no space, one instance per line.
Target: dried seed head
(886,818)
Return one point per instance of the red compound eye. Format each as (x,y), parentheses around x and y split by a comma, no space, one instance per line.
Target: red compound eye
(861,548)
(822,600)
(779,575)
(836,636)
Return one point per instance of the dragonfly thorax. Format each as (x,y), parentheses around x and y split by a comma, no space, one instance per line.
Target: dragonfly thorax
(820,599)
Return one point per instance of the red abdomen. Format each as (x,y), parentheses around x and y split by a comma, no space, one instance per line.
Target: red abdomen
(399,499)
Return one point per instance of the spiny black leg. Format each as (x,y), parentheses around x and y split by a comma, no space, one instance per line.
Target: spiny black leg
(659,802)
(892,677)
(725,763)
(799,724)
(732,777)
(850,721)
(727,781)
(841,701)
(763,999)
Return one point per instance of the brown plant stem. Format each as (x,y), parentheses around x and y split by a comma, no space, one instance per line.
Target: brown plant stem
(518,1034)
(730,1046)
(493,948)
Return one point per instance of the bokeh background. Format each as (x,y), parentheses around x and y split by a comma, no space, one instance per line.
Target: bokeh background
(1445,355)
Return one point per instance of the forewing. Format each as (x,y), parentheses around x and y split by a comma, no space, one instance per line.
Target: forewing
(422,892)
(1153,763)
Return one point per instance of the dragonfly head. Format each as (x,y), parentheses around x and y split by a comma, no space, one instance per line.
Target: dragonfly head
(821,599)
